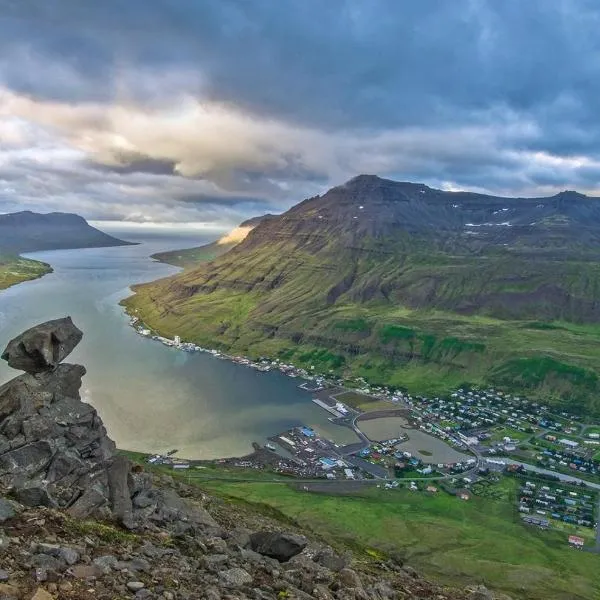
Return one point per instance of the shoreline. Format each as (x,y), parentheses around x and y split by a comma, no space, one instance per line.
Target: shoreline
(45,269)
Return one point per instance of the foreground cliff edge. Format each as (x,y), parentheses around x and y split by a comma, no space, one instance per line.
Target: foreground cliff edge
(81,521)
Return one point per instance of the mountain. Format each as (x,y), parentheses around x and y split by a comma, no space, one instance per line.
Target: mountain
(27,231)
(189,257)
(410,286)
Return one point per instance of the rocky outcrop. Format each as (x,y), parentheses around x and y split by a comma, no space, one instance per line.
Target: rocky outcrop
(43,347)
(54,449)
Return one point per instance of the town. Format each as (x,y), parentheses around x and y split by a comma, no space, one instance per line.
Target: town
(462,444)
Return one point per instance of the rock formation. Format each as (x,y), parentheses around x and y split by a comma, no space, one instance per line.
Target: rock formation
(54,449)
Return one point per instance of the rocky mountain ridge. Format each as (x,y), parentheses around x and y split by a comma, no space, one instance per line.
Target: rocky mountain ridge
(80,521)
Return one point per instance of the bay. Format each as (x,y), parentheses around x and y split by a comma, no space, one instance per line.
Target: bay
(153,398)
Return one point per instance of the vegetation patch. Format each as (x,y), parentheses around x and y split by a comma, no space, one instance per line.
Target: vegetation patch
(16,269)
(479,541)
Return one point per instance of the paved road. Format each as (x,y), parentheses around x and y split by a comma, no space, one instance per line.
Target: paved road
(561,476)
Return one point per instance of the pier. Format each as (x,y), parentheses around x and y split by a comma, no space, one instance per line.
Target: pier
(328,408)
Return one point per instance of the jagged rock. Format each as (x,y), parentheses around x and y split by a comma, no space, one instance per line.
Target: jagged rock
(119,489)
(7,510)
(236,577)
(42,347)
(278,545)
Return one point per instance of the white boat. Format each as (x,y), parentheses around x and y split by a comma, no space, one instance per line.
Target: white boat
(270,446)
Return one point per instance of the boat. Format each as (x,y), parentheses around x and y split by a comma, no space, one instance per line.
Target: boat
(270,446)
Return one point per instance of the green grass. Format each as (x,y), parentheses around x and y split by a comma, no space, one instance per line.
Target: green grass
(15,269)
(455,542)
(513,434)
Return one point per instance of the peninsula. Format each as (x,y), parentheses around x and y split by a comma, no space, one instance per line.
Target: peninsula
(27,231)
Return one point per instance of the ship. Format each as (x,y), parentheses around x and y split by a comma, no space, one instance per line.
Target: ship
(270,446)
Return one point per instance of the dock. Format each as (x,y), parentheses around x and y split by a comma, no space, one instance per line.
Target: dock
(328,408)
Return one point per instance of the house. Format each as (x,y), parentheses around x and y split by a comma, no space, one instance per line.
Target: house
(576,541)
(431,489)
(463,494)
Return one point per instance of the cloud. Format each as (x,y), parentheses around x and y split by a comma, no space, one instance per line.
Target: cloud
(216,110)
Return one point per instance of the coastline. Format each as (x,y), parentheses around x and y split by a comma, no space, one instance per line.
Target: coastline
(35,269)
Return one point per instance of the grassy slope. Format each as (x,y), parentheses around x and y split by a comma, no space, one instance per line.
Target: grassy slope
(449,540)
(15,269)
(424,351)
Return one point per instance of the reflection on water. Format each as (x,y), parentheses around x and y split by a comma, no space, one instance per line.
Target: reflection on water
(420,444)
(151,397)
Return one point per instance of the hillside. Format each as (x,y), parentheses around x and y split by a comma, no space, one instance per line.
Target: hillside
(410,286)
(80,521)
(31,232)
(189,257)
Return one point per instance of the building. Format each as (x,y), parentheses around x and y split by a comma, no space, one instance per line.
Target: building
(576,541)
(463,494)
(349,474)
(431,489)
(177,340)
(568,443)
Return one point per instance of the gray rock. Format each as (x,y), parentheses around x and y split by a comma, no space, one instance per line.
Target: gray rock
(233,578)
(91,500)
(27,460)
(135,586)
(120,499)
(47,562)
(349,578)
(331,561)
(279,545)
(214,561)
(4,575)
(7,510)
(239,538)
(43,347)
(69,555)
(105,563)
(479,592)
(35,495)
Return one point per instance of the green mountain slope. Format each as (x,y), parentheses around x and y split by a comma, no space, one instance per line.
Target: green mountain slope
(410,286)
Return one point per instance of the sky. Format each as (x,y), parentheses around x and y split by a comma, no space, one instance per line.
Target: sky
(212,111)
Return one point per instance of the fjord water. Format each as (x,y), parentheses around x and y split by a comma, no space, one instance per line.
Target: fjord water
(151,397)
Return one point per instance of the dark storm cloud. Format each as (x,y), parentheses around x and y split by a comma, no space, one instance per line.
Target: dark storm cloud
(294,96)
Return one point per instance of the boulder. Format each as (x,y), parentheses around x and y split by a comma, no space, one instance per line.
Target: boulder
(7,510)
(43,347)
(277,544)
(233,578)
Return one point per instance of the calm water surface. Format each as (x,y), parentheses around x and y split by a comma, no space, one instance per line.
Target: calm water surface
(151,397)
